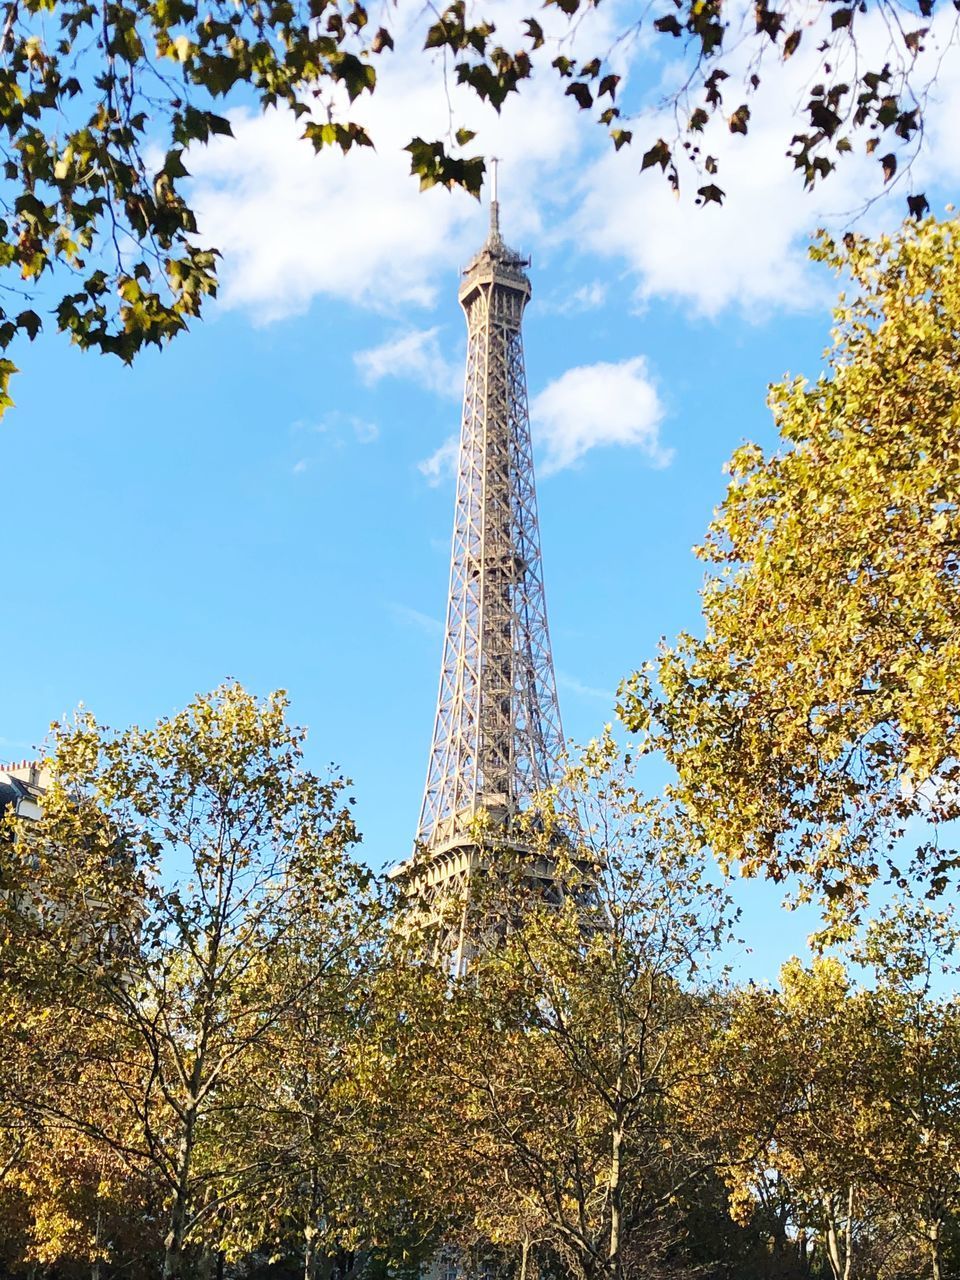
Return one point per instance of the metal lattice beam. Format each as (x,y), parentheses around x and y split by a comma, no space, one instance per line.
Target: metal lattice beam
(497,735)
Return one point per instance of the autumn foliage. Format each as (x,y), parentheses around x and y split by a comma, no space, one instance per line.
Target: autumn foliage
(225,1050)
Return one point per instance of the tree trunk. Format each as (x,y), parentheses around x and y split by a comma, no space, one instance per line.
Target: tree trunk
(313,1215)
(309,1252)
(839,1238)
(95,1264)
(173,1241)
(616,1205)
(934,1232)
(832,1250)
(848,1234)
(803,1252)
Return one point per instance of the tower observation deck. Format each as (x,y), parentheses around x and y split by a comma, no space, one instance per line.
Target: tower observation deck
(497,737)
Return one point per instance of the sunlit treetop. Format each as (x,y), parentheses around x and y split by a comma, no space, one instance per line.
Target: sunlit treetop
(818,717)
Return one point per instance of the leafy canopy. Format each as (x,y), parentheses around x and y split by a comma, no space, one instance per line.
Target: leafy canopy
(100,102)
(180,900)
(818,715)
(566,1066)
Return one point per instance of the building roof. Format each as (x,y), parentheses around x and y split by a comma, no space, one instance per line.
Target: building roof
(22,788)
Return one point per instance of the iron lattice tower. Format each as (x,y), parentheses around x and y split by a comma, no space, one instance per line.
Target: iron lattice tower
(497,736)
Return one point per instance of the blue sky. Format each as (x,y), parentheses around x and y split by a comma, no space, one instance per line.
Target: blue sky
(269,498)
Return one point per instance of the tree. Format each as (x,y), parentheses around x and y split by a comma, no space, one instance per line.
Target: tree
(92,95)
(818,715)
(151,909)
(308,1100)
(87,1212)
(854,1087)
(575,1045)
(797,1066)
(913,1133)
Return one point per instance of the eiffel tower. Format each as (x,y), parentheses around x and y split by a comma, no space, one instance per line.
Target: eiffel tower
(497,738)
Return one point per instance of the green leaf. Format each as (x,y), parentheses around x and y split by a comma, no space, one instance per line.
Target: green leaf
(581,93)
(659,154)
(738,121)
(534,32)
(669,25)
(30,323)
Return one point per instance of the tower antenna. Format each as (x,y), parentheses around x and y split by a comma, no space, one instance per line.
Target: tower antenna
(494,200)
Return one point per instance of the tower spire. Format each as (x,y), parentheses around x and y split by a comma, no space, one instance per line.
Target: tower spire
(497,737)
(494,201)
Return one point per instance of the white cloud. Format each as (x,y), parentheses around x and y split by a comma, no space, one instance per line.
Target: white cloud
(575,686)
(355,230)
(335,430)
(595,405)
(338,427)
(588,297)
(424,622)
(442,463)
(414,354)
(751,252)
(940,161)
(294,226)
(585,408)
(365,432)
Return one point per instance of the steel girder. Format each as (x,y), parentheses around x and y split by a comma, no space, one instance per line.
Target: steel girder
(497,735)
